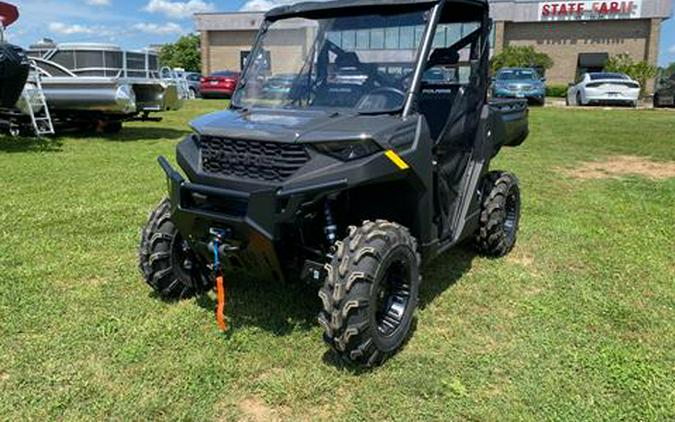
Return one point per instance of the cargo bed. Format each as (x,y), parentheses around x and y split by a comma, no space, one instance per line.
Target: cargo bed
(513,115)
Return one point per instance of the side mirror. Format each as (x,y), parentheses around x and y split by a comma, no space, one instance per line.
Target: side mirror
(543,79)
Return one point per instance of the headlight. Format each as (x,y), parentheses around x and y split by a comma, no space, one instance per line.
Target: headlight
(348,150)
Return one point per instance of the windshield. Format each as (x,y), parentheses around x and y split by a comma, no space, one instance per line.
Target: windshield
(517,74)
(359,62)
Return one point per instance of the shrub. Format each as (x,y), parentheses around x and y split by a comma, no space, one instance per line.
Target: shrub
(521,57)
(640,71)
(556,91)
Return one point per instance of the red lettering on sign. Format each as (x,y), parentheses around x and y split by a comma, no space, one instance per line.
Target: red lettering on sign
(579,8)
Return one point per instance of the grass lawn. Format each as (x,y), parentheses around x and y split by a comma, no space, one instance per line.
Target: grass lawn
(576,324)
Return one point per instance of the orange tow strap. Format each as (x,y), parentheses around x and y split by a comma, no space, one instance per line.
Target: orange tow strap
(220,308)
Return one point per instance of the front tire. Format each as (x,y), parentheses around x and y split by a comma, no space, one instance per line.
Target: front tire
(165,259)
(500,215)
(371,292)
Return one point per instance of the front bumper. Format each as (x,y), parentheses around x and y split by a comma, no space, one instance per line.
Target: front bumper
(250,219)
(536,95)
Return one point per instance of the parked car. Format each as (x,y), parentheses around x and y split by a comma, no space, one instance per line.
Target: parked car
(665,92)
(604,88)
(348,75)
(219,84)
(193,80)
(517,82)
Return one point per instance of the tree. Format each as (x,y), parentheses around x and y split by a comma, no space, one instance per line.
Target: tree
(640,71)
(521,57)
(184,53)
(669,70)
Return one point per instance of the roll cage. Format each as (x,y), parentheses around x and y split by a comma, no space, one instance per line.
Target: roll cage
(470,52)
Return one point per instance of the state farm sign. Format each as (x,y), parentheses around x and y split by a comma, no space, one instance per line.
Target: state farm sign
(589,10)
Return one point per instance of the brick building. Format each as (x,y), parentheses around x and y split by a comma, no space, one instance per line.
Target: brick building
(579,35)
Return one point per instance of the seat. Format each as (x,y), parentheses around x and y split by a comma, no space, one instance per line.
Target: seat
(338,95)
(437,98)
(347,59)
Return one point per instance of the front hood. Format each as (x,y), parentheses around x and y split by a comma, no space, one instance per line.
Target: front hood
(293,125)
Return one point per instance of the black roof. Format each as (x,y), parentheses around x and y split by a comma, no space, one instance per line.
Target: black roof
(317,8)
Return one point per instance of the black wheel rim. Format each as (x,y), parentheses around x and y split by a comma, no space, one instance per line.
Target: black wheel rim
(511,214)
(393,297)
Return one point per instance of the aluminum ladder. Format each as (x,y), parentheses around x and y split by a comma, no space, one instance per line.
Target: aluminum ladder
(42,118)
(169,75)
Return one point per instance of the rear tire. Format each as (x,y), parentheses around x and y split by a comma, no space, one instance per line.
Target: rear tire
(165,260)
(500,215)
(370,293)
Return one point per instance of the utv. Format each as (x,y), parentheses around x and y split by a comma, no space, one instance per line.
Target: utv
(346,182)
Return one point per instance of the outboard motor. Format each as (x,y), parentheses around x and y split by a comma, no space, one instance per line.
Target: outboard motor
(14,64)
(14,68)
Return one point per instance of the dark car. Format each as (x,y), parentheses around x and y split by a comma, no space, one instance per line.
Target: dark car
(219,84)
(665,92)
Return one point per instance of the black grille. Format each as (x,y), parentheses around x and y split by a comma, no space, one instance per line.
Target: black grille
(268,161)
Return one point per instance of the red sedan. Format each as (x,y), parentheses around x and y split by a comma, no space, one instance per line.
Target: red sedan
(219,84)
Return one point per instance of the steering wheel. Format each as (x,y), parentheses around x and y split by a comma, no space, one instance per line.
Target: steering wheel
(370,102)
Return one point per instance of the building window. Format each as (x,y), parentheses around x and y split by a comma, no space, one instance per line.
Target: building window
(391,38)
(349,40)
(407,37)
(377,39)
(363,39)
(419,34)
(439,38)
(335,38)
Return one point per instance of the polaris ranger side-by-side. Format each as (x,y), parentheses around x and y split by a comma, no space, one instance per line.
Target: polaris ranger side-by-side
(375,160)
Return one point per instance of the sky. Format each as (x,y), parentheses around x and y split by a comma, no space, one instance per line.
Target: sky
(136,24)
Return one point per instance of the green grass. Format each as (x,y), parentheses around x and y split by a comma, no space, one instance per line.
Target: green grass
(576,324)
